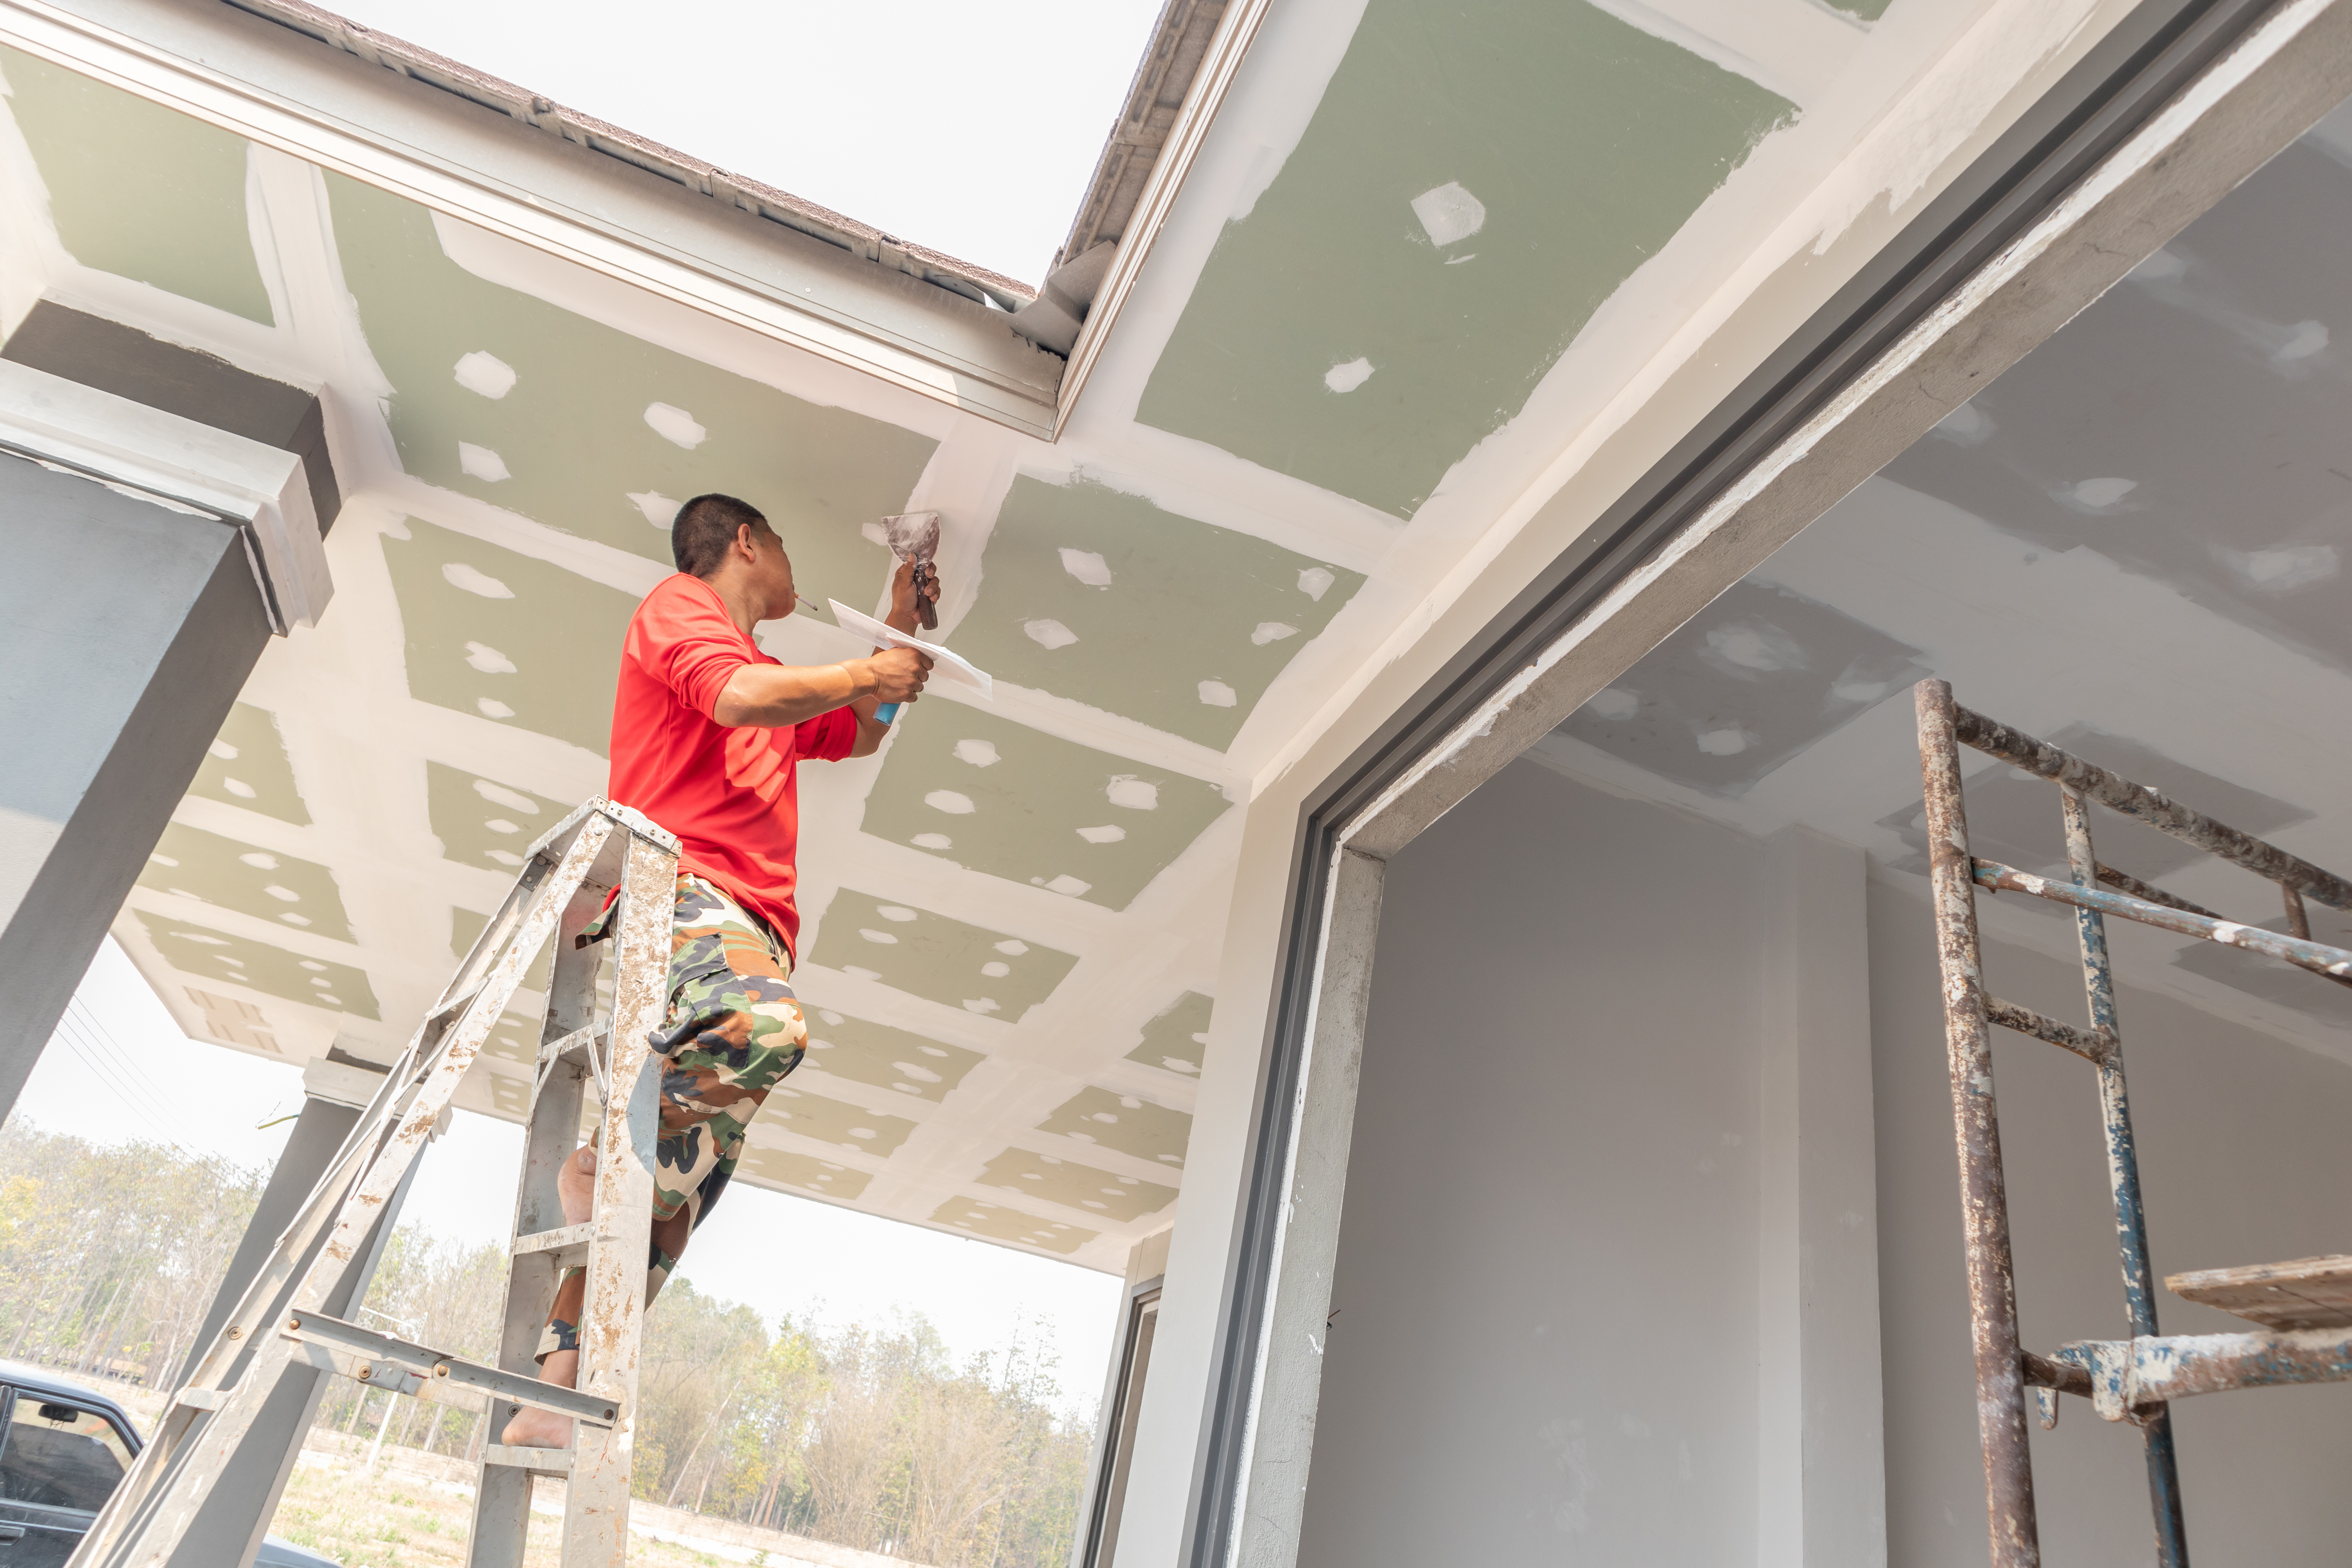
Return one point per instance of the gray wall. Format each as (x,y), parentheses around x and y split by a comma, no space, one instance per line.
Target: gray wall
(1544,1345)
(1555,1337)
(126,631)
(2245,1146)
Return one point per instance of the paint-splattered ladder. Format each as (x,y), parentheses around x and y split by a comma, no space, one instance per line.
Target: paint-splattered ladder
(277,1329)
(2304,1307)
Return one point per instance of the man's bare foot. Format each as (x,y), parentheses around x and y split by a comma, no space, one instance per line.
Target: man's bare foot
(538,1429)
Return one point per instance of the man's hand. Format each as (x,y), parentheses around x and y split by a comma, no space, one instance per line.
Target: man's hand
(899,674)
(904,614)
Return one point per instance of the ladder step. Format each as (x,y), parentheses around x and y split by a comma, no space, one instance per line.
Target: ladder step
(2308,1293)
(577,1043)
(564,1239)
(442,1371)
(538,1461)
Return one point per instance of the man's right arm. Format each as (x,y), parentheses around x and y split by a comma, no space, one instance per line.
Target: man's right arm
(772,696)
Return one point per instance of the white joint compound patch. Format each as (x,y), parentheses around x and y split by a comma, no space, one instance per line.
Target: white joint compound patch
(1217,694)
(1087,566)
(1448,213)
(949,801)
(488,659)
(457,575)
(1111,833)
(1049,634)
(978,754)
(1349,376)
(481,462)
(1316,581)
(1135,794)
(676,424)
(659,509)
(486,373)
(1271,631)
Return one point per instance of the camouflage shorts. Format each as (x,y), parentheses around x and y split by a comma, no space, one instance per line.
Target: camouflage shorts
(731,1033)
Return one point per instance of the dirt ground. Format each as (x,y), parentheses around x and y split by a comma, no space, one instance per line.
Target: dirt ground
(413,1510)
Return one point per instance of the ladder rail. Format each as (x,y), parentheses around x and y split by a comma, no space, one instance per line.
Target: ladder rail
(597,1497)
(151,1509)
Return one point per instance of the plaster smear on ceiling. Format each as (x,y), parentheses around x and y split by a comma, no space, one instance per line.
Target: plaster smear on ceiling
(1126,1122)
(1756,678)
(247,766)
(139,190)
(805,1114)
(483,823)
(1176,1039)
(1201,618)
(207,950)
(1474,186)
(804,1172)
(1000,1224)
(194,864)
(1074,1185)
(858,1051)
(2082,447)
(1008,800)
(581,426)
(502,635)
(932,956)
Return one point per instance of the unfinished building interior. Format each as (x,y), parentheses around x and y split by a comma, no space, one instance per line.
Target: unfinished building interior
(1440,899)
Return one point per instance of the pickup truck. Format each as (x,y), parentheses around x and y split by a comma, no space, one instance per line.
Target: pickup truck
(62,1452)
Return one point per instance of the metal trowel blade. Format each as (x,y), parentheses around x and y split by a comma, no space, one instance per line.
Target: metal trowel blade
(913,536)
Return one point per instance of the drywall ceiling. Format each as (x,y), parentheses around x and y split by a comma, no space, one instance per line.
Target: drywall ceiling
(1429,250)
(2133,545)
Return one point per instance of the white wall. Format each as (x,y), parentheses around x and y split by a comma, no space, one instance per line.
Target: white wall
(1544,1344)
(2244,1158)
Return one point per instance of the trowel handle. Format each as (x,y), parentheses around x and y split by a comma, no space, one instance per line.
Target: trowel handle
(886,713)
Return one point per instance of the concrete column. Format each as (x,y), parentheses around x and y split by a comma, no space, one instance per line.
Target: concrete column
(238,1514)
(1820,1452)
(126,631)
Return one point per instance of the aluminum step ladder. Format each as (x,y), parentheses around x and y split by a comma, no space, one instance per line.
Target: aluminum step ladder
(277,1325)
(2304,1308)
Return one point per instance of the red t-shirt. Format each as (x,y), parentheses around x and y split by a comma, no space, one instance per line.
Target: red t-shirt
(729,794)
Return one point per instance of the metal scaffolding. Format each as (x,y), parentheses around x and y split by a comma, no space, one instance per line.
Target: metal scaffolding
(2304,1307)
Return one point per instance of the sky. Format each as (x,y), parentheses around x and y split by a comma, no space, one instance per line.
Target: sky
(970,128)
(786,1256)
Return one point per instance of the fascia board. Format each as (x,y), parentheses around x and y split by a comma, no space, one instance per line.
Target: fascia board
(284,90)
(178,460)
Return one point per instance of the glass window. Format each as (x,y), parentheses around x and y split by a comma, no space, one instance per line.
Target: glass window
(60,1455)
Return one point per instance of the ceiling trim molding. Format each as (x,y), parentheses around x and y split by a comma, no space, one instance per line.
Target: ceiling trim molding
(283,89)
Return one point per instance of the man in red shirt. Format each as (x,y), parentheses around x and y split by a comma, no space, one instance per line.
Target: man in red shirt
(708,731)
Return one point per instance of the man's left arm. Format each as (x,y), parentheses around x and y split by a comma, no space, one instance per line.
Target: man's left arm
(902,618)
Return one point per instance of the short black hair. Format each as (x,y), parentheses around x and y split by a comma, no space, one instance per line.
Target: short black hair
(705,527)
